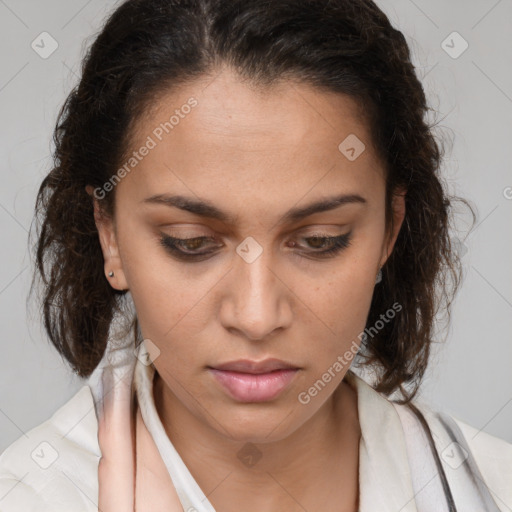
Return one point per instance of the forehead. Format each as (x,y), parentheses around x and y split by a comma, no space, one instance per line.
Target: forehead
(229,106)
(222,131)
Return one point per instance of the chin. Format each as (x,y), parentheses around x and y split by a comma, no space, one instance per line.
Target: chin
(257,426)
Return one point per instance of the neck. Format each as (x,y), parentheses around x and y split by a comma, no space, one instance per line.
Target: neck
(319,460)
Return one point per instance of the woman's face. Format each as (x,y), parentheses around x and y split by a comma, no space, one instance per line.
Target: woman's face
(239,172)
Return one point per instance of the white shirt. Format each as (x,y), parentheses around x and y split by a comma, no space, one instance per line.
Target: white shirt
(67,444)
(384,473)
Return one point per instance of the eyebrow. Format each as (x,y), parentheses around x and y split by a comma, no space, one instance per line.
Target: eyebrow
(208,210)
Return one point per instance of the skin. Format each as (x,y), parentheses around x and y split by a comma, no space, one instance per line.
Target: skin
(254,154)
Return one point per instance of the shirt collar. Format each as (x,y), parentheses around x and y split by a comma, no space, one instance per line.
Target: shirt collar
(385,482)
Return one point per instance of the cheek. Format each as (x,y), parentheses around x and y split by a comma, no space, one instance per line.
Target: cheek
(343,302)
(336,312)
(160,286)
(170,301)
(169,314)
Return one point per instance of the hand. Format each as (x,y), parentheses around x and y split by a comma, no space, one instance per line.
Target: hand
(116,439)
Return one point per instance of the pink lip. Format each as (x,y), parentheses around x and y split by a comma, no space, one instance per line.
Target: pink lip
(248,366)
(254,387)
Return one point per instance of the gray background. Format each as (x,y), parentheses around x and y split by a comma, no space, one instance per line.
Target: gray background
(470,375)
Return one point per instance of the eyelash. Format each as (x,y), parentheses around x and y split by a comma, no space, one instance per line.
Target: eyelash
(338,244)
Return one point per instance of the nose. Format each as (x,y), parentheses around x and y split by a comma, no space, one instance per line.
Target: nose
(257,302)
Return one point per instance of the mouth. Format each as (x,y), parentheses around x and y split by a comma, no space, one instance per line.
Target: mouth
(254,367)
(254,381)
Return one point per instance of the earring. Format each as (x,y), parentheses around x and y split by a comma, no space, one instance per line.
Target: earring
(111,274)
(378,279)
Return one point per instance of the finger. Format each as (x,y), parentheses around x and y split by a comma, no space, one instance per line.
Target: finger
(115,437)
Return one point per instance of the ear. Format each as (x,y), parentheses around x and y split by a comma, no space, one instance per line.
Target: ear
(398,213)
(109,247)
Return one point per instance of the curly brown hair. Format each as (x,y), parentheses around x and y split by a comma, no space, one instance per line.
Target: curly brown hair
(148,47)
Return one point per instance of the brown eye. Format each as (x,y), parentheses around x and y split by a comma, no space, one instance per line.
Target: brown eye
(334,244)
(317,242)
(191,244)
(185,247)
(317,246)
